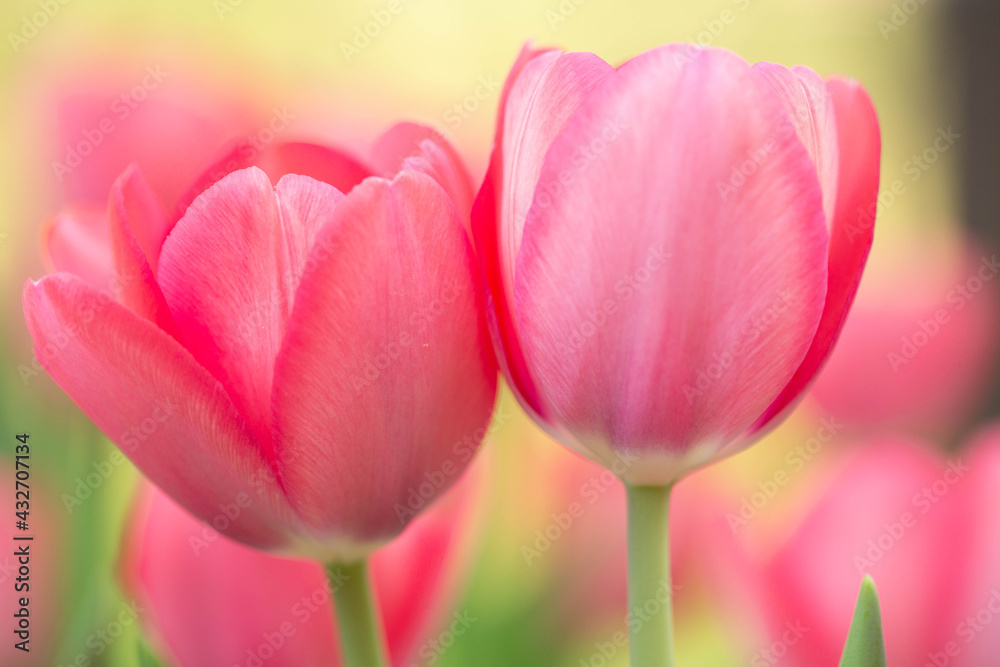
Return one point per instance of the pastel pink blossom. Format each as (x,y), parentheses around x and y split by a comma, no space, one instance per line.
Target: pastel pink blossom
(671,246)
(920,344)
(168,125)
(924,526)
(307,353)
(216,602)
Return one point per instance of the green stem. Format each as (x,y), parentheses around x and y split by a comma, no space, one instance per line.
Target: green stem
(650,595)
(361,642)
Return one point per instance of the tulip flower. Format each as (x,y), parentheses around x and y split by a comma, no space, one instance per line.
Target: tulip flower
(924,527)
(671,247)
(169,125)
(302,368)
(918,349)
(199,609)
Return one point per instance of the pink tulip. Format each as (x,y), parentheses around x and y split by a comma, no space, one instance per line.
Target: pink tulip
(289,363)
(222,603)
(919,346)
(671,246)
(166,123)
(925,528)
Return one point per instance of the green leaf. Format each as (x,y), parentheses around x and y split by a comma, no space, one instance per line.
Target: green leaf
(865,646)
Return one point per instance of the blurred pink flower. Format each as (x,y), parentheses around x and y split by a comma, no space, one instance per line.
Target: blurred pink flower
(671,246)
(925,529)
(169,125)
(308,355)
(222,603)
(919,346)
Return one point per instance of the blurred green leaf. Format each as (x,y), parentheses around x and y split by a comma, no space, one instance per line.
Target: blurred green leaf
(865,645)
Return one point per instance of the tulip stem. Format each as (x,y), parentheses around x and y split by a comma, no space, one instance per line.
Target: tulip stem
(650,594)
(361,642)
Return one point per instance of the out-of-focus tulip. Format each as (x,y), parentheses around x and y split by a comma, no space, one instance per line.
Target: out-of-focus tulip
(312,359)
(924,528)
(216,602)
(169,125)
(919,345)
(976,630)
(671,246)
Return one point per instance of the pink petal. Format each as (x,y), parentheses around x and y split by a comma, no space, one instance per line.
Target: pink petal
(229,271)
(641,276)
(385,375)
(860,147)
(542,91)
(104,128)
(201,610)
(76,241)
(981,504)
(879,515)
(279,159)
(810,110)
(137,226)
(421,148)
(146,393)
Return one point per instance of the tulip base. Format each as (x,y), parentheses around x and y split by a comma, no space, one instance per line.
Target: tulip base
(650,592)
(361,642)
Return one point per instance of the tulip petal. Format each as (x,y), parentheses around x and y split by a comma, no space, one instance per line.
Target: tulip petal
(146,393)
(654,269)
(229,271)
(384,374)
(423,149)
(851,234)
(545,87)
(76,241)
(329,165)
(810,110)
(876,515)
(138,226)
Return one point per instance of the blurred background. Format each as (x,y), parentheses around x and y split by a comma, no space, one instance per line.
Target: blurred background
(769,546)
